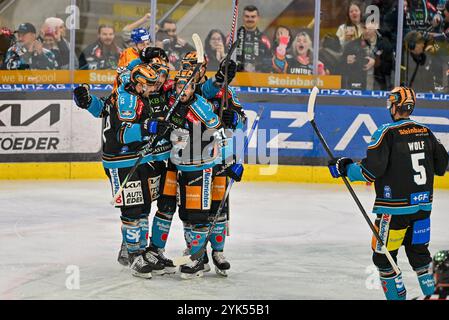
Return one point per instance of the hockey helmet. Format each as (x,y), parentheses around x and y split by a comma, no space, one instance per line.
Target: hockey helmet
(139,35)
(403,98)
(144,74)
(441,267)
(190,59)
(183,76)
(160,65)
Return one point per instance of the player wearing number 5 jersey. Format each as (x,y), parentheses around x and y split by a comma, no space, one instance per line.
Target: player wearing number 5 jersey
(402,159)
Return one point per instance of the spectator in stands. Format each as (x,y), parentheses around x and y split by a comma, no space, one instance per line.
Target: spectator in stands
(175,46)
(49,42)
(57,27)
(103,53)
(301,60)
(215,48)
(28,52)
(352,28)
(330,53)
(368,61)
(254,48)
(143,22)
(418,65)
(7,39)
(282,41)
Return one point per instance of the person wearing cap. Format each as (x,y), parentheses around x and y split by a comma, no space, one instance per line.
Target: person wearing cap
(28,52)
(140,39)
(103,53)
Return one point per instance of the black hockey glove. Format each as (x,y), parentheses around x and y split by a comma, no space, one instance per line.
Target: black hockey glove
(220,75)
(148,53)
(230,118)
(338,166)
(234,170)
(82,97)
(155,126)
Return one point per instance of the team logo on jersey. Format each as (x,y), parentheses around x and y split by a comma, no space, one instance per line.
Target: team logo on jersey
(207,188)
(420,197)
(387,192)
(132,193)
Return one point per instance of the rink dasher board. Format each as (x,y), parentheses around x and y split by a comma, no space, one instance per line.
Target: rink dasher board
(287,138)
(340,93)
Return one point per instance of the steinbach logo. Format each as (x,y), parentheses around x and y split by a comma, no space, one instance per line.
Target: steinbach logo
(207,175)
(413,130)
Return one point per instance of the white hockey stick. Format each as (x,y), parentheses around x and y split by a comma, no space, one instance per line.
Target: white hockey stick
(311,116)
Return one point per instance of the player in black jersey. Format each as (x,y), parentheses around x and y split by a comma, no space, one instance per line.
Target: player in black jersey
(402,159)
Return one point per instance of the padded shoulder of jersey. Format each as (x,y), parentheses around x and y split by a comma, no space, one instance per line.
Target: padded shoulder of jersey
(127,106)
(205,112)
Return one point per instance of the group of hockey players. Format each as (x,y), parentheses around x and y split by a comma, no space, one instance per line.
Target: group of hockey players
(162,122)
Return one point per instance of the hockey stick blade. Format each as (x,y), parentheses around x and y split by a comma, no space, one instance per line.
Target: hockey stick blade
(311,104)
(198,47)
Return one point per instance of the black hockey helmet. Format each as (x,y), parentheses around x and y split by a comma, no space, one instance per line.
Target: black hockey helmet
(441,268)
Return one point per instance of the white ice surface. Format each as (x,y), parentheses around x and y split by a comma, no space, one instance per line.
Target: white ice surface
(288,241)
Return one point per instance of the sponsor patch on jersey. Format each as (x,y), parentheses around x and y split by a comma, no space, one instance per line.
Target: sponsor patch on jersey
(395,239)
(420,197)
(132,193)
(115,183)
(207,189)
(154,183)
(387,192)
(414,130)
(421,231)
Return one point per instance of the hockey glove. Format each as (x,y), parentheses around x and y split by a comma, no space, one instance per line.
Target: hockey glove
(337,166)
(155,126)
(82,97)
(220,75)
(230,118)
(149,53)
(235,171)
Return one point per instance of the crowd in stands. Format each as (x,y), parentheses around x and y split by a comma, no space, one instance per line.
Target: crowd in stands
(362,50)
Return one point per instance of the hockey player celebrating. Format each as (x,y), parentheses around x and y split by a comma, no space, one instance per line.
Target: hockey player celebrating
(195,156)
(232,118)
(402,159)
(128,127)
(440,267)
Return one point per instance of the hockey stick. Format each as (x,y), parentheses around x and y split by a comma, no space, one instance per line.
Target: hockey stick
(146,149)
(311,116)
(186,259)
(232,46)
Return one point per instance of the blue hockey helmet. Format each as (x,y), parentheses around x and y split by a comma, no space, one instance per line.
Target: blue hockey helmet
(139,35)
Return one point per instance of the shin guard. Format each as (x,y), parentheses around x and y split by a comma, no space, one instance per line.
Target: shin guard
(161,229)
